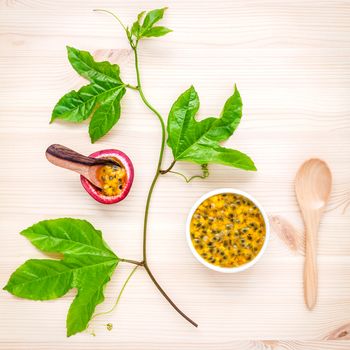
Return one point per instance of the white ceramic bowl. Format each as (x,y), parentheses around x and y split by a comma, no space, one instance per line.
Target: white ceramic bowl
(218,268)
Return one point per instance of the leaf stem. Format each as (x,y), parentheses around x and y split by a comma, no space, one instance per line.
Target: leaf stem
(139,263)
(168,169)
(132,87)
(150,192)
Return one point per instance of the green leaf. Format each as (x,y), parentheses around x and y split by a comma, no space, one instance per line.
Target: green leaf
(87,265)
(40,280)
(135,29)
(151,18)
(77,106)
(156,31)
(219,155)
(96,72)
(89,295)
(198,142)
(100,99)
(106,116)
(146,29)
(68,236)
(140,16)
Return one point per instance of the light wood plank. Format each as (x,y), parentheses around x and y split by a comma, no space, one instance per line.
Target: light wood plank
(290,60)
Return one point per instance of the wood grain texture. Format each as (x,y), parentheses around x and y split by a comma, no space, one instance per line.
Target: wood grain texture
(291,62)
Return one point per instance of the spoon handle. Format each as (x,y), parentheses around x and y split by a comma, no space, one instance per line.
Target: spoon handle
(63,153)
(310,267)
(68,159)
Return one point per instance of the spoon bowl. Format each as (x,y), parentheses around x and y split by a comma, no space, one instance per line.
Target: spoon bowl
(313,184)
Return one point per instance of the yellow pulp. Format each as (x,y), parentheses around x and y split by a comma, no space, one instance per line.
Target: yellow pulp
(113,179)
(227,230)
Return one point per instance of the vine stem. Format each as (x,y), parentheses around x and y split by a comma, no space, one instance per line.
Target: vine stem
(168,298)
(155,178)
(120,293)
(160,158)
(150,192)
(116,17)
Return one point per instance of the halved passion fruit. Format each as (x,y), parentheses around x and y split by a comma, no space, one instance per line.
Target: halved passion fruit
(116,179)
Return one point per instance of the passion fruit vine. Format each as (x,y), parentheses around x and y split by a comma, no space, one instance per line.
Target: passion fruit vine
(117,179)
(93,100)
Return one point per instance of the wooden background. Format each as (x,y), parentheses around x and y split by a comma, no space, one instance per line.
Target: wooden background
(291,62)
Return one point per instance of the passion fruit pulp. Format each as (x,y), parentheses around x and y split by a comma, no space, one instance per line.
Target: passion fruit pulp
(116,179)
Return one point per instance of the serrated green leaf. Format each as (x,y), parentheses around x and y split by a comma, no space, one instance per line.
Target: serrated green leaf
(140,16)
(102,94)
(218,155)
(156,32)
(135,29)
(40,280)
(198,142)
(89,294)
(69,237)
(146,29)
(87,265)
(105,117)
(76,106)
(153,17)
(96,72)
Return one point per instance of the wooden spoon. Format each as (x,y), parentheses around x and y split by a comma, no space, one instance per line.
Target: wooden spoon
(313,184)
(87,166)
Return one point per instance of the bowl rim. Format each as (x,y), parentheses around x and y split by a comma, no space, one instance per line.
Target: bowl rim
(188,231)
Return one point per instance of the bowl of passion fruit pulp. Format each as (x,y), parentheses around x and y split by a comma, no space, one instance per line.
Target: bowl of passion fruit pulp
(233,269)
